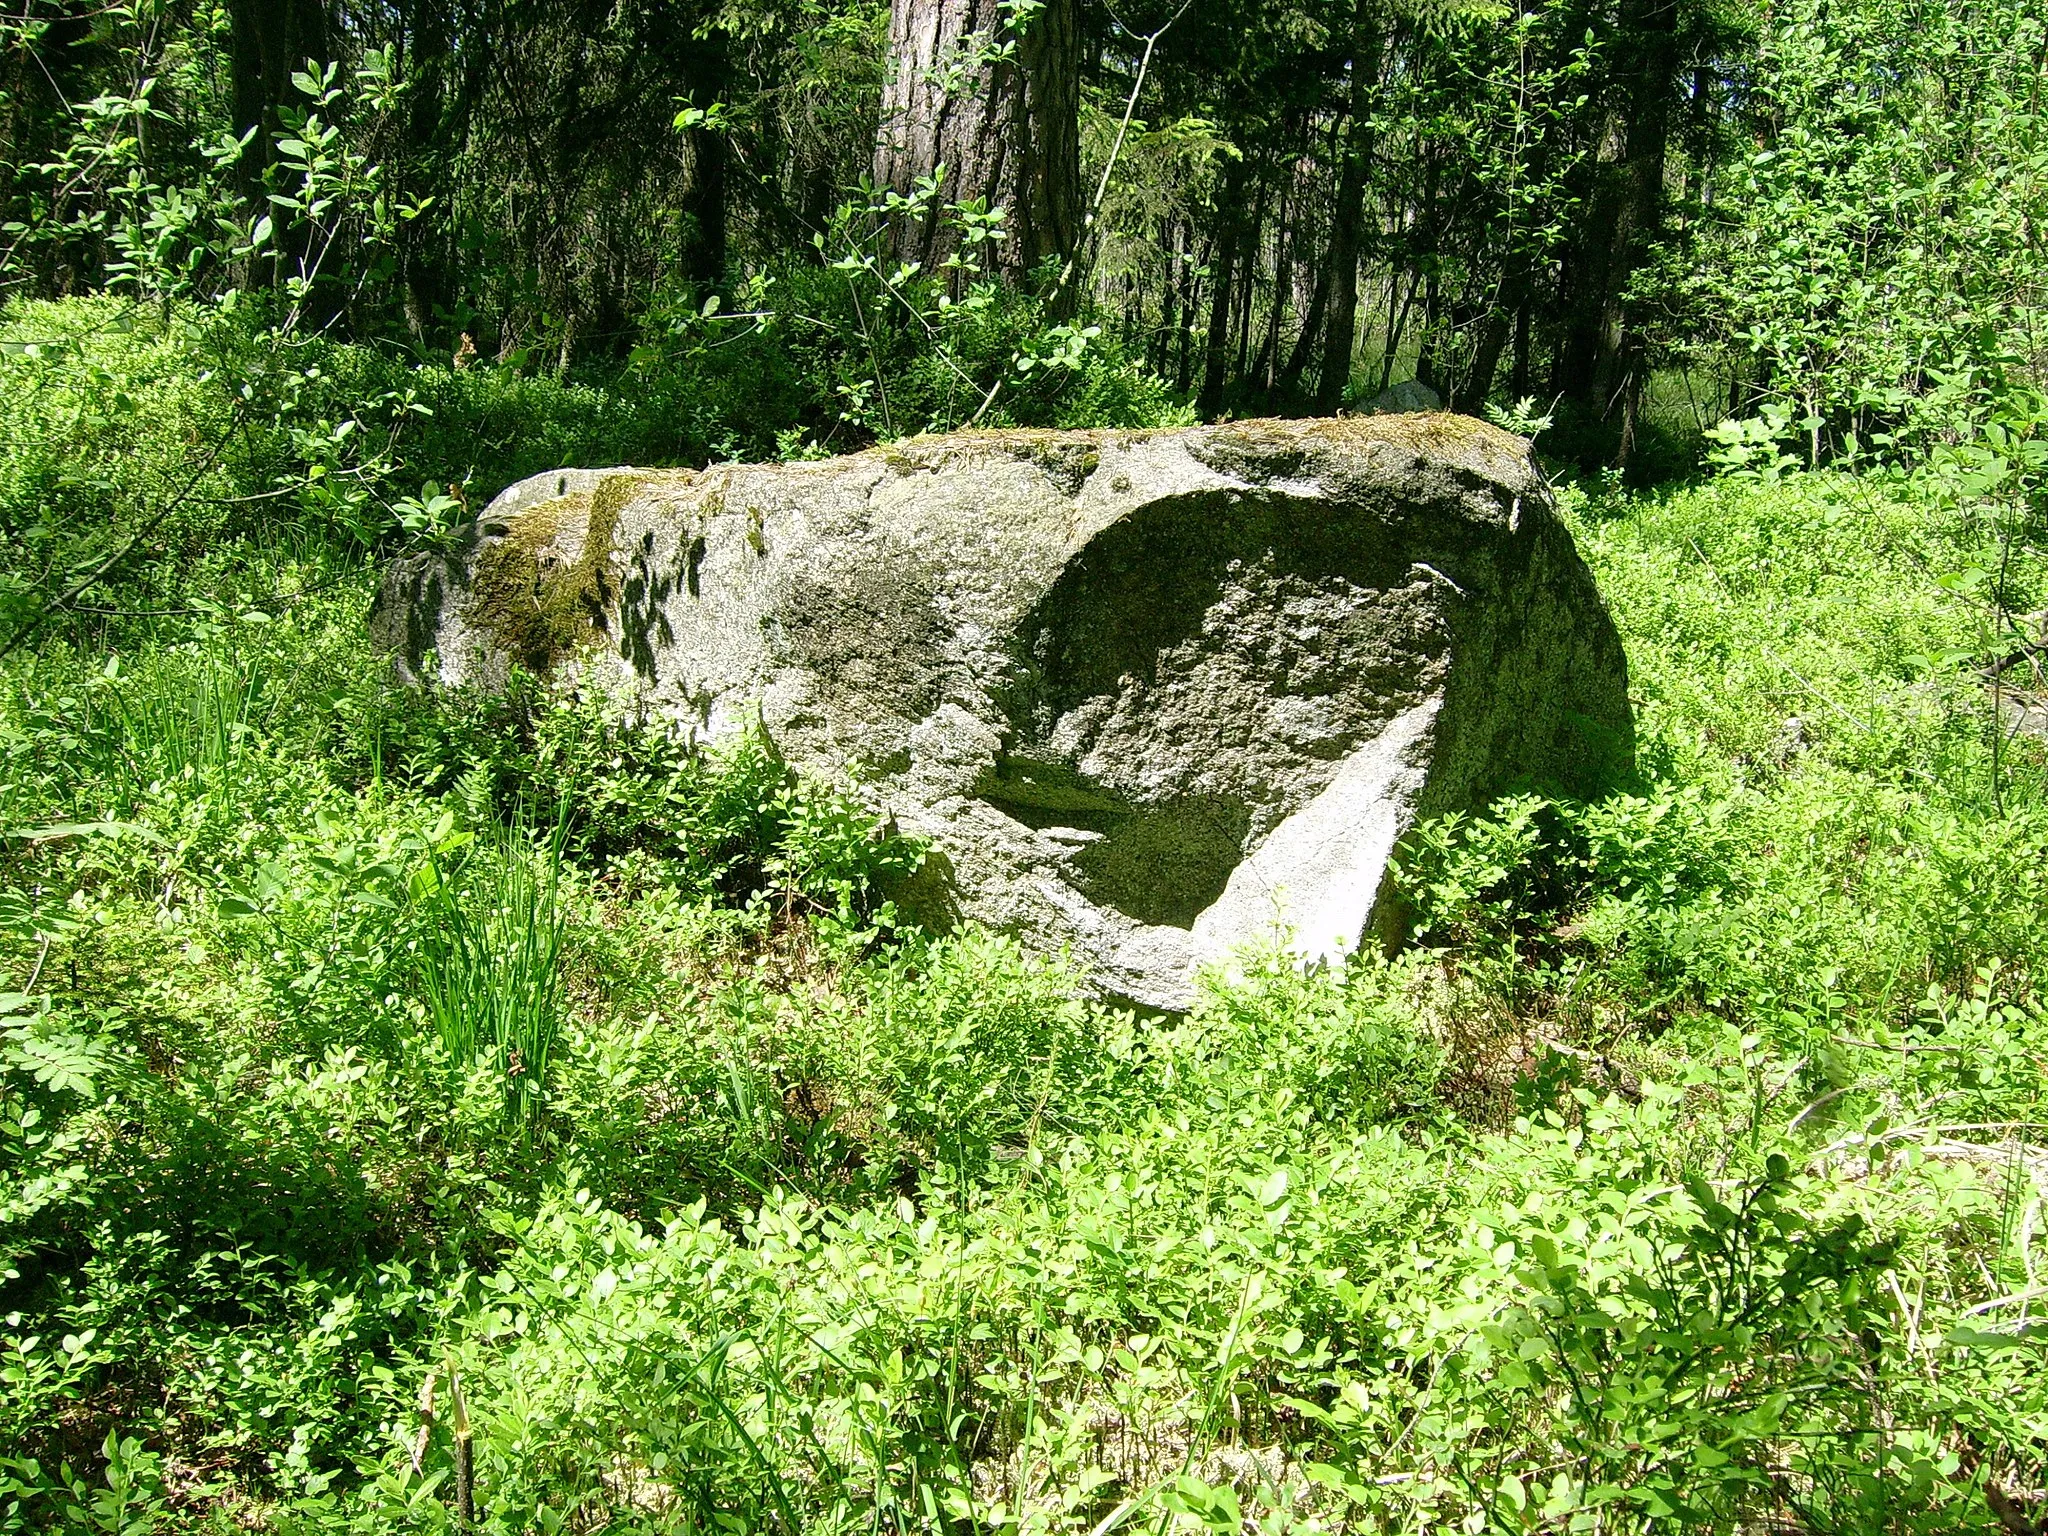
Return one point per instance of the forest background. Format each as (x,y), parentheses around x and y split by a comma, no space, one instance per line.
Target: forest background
(445,1111)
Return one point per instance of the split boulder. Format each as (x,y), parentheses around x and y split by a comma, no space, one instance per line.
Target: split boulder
(1148,696)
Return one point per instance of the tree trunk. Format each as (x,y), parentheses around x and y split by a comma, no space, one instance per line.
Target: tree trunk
(41,71)
(1624,216)
(1427,370)
(1268,367)
(1470,395)
(1395,327)
(436,118)
(703,203)
(999,111)
(1341,324)
(1216,355)
(1191,303)
(1169,302)
(1618,373)
(268,40)
(1247,285)
(1519,385)
(1311,329)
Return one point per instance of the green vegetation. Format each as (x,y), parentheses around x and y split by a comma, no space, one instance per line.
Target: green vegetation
(495,1112)
(1683,1173)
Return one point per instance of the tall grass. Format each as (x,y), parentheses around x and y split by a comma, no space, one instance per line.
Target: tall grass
(187,719)
(489,960)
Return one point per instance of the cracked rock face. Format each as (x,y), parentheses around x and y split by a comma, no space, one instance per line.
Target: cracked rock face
(1148,696)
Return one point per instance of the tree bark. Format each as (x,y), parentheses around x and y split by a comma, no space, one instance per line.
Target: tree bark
(1268,366)
(1311,329)
(1624,213)
(1396,326)
(1247,283)
(1216,354)
(1618,371)
(999,111)
(268,40)
(1470,395)
(1519,380)
(436,120)
(703,203)
(1158,357)
(1347,218)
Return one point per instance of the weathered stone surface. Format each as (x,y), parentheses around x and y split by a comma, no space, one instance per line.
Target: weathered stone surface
(1408,395)
(1148,695)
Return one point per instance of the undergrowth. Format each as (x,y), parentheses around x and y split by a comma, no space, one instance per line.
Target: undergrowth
(389,1074)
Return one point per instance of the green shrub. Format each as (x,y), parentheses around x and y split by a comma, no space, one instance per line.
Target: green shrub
(488,949)
(1348,1046)
(640,797)
(142,445)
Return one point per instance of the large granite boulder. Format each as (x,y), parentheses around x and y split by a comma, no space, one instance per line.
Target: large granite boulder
(1149,696)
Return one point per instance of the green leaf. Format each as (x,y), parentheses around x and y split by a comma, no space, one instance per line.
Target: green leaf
(2027,1335)
(63,1063)
(65,829)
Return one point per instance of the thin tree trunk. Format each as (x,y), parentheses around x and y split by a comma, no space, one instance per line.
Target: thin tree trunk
(1216,353)
(1520,385)
(1184,346)
(1394,331)
(1269,349)
(1470,395)
(1169,302)
(1426,370)
(1247,283)
(1339,335)
(1311,329)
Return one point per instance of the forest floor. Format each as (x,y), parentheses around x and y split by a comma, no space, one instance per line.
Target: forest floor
(418,1100)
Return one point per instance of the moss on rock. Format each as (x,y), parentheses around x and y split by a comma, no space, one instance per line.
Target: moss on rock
(531,595)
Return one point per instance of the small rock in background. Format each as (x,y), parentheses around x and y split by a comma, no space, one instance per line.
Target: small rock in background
(1408,395)
(1791,741)
(2020,679)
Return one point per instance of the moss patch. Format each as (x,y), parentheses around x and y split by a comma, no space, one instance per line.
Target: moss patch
(1026,788)
(538,605)
(1067,458)
(1261,451)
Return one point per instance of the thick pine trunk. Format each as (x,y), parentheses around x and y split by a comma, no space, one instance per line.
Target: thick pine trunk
(999,111)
